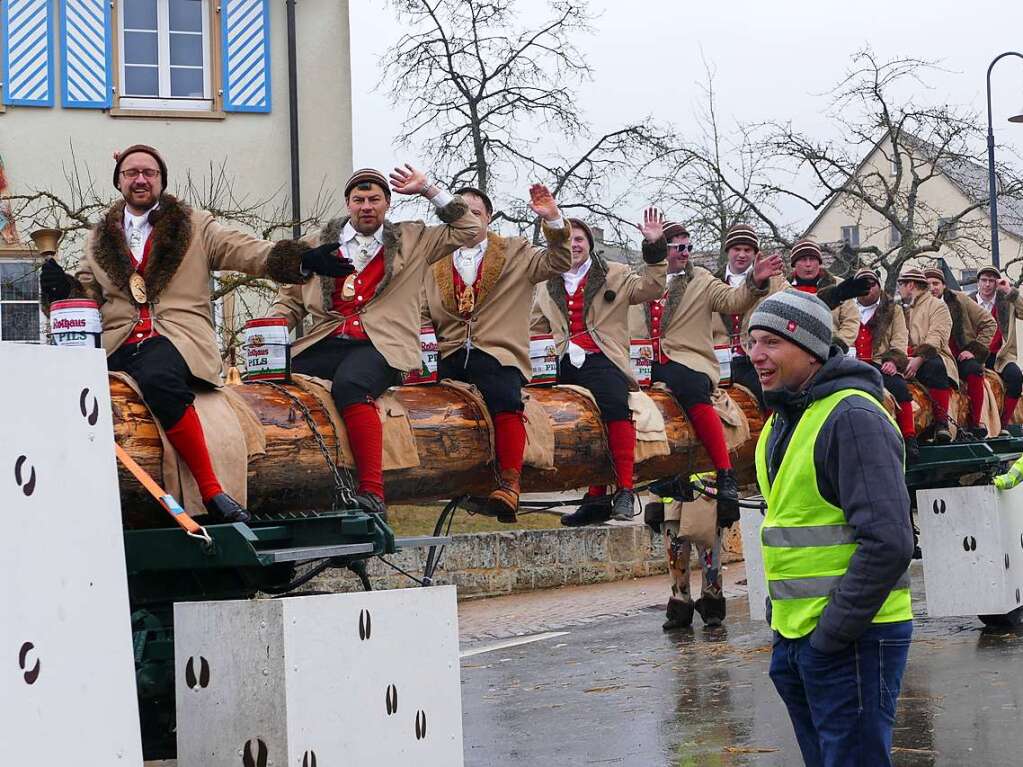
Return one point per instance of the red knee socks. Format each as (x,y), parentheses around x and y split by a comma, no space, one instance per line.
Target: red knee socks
(621,435)
(596,491)
(509,440)
(708,429)
(188,439)
(366,436)
(904,417)
(1009,409)
(975,390)
(941,398)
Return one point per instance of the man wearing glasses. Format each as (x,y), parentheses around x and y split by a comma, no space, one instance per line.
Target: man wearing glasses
(148,264)
(681,326)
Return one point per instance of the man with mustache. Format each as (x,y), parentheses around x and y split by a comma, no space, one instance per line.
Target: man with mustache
(364,304)
(148,264)
(478,300)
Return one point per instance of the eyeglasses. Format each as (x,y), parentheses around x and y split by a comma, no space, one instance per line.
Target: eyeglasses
(682,248)
(133,173)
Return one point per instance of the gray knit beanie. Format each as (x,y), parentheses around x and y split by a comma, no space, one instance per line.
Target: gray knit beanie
(799,317)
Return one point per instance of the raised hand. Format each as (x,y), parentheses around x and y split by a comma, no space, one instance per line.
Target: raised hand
(1004,286)
(542,203)
(766,267)
(408,180)
(652,226)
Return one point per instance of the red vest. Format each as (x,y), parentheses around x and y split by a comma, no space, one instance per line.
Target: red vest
(577,332)
(459,283)
(366,283)
(865,344)
(656,317)
(998,340)
(144,326)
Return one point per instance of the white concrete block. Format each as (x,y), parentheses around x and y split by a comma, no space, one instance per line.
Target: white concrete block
(972,541)
(364,678)
(67,673)
(750,522)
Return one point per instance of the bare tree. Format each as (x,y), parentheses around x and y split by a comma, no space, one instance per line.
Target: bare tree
(715,176)
(492,101)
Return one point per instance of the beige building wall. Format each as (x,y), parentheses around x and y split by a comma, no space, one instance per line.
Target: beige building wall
(36,143)
(939,197)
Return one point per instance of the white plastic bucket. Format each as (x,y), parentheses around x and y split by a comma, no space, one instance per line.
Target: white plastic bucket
(641,357)
(76,322)
(427,372)
(267,350)
(543,355)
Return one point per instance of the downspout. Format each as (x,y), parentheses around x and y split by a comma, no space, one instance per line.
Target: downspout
(296,188)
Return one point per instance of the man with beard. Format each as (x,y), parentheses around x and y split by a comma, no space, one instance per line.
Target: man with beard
(996,295)
(680,323)
(929,326)
(836,538)
(365,305)
(149,264)
(810,276)
(973,331)
(587,311)
(741,247)
(882,343)
(478,300)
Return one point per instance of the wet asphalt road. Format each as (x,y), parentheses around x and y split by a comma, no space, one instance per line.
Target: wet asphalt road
(622,692)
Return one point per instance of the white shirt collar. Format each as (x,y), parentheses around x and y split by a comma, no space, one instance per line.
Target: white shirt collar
(467,261)
(352,242)
(866,312)
(140,221)
(575,275)
(348,234)
(987,304)
(734,278)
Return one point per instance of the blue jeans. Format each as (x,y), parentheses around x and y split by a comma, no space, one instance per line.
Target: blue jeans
(842,706)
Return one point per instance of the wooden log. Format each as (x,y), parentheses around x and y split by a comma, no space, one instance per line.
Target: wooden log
(452,437)
(451,434)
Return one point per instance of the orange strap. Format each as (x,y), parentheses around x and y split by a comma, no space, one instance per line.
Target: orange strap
(164,498)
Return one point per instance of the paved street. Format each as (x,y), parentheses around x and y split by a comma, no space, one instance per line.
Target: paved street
(615,690)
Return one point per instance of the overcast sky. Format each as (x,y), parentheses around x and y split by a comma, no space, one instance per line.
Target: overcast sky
(772,60)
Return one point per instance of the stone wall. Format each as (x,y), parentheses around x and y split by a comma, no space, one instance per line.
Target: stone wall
(490,564)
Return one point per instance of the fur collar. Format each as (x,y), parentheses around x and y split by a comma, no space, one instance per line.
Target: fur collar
(494,258)
(1004,313)
(672,298)
(956,310)
(824,280)
(392,247)
(880,324)
(596,279)
(172,234)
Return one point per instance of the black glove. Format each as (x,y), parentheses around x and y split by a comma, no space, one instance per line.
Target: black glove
(843,291)
(655,252)
(653,515)
(326,261)
(54,282)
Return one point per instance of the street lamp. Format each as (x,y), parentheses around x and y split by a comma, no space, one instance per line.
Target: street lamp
(992,180)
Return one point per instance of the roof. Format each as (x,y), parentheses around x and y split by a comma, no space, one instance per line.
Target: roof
(968,176)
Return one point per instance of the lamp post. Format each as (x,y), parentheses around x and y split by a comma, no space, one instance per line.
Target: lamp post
(992,179)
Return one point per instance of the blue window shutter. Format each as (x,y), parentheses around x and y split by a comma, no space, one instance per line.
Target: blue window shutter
(245,40)
(28,52)
(85,47)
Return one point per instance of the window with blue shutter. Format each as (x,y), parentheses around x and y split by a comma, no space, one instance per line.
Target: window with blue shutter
(245,40)
(86,48)
(27,48)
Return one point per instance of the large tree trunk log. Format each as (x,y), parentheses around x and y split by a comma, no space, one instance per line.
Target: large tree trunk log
(453,442)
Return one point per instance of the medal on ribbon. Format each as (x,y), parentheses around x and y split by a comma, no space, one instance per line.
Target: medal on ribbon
(348,288)
(137,287)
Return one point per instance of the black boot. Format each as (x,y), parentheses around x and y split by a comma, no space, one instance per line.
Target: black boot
(371,504)
(728,498)
(712,610)
(670,487)
(224,508)
(942,434)
(592,511)
(623,505)
(653,515)
(912,450)
(679,615)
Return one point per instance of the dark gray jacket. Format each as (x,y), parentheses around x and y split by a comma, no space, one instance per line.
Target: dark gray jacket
(859,458)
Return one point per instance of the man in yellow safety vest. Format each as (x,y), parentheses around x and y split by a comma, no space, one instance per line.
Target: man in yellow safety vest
(836,538)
